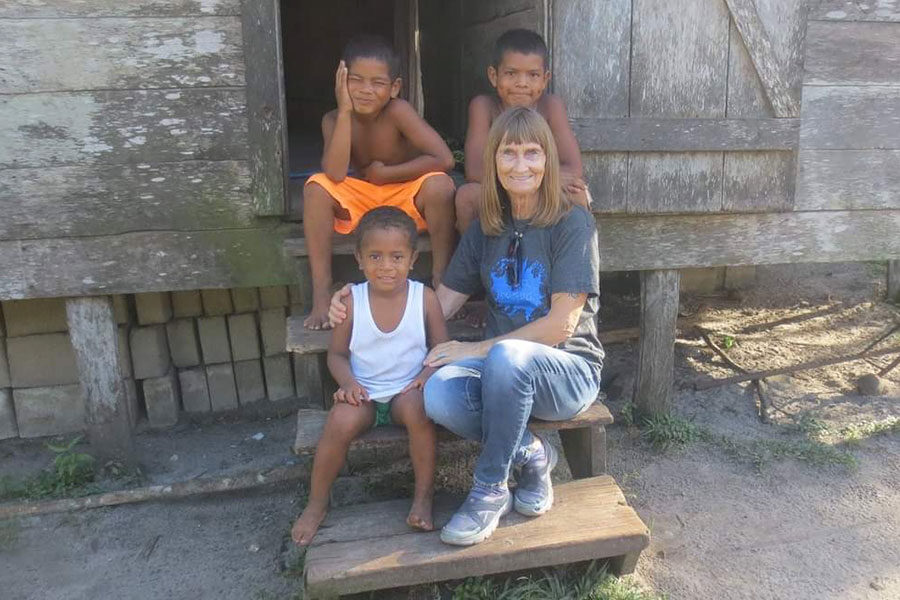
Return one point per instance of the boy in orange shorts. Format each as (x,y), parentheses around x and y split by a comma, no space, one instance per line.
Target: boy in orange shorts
(399,160)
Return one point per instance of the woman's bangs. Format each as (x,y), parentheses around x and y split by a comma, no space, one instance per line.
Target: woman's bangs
(522,130)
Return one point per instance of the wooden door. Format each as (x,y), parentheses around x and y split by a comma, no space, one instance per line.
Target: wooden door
(683,107)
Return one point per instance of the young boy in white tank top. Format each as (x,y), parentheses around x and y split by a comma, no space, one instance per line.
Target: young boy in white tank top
(376,356)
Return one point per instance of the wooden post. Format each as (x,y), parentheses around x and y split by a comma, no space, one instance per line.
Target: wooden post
(893,281)
(656,348)
(92,329)
(585,450)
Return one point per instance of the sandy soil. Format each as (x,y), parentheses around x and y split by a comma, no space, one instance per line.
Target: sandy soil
(727,519)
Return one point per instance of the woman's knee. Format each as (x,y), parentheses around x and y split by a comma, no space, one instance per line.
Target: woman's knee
(509,356)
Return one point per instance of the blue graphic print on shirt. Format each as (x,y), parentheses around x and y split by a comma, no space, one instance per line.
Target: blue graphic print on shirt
(528,297)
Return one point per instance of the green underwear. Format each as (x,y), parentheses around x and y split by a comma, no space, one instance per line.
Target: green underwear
(383,414)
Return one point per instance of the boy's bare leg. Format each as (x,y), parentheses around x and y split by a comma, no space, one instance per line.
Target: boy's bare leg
(319,210)
(468,199)
(408,409)
(345,422)
(435,203)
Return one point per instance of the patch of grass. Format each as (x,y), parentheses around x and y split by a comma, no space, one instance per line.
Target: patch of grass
(810,426)
(668,431)
(71,475)
(728,342)
(762,452)
(853,434)
(9,534)
(592,582)
(626,414)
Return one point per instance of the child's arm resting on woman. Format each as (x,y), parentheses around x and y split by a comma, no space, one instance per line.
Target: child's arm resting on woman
(350,391)
(436,332)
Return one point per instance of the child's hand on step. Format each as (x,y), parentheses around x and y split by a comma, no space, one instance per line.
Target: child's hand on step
(354,394)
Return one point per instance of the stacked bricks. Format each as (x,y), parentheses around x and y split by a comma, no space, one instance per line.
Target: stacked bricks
(40,393)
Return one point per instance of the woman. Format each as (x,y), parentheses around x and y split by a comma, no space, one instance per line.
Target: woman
(536,258)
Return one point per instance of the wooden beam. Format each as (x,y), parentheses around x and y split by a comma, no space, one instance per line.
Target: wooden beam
(644,134)
(656,350)
(761,50)
(92,329)
(267,126)
(54,9)
(852,53)
(853,10)
(875,123)
(893,281)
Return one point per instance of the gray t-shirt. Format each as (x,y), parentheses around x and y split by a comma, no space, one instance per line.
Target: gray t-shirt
(563,258)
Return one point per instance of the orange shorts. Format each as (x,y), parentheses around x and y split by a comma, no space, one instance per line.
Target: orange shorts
(358,197)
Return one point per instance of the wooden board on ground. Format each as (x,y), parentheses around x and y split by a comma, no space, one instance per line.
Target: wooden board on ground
(311,421)
(590,520)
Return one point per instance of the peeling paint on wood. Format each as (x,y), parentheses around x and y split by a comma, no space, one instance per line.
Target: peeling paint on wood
(853,53)
(55,9)
(850,117)
(111,199)
(849,179)
(114,127)
(120,54)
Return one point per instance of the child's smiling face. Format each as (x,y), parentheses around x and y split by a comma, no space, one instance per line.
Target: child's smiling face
(370,85)
(519,79)
(385,257)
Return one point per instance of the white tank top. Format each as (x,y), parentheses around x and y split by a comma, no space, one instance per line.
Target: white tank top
(384,363)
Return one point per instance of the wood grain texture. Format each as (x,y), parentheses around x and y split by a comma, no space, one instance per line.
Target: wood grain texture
(775,78)
(759,181)
(110,199)
(644,134)
(589,520)
(850,117)
(654,378)
(675,183)
(893,281)
(95,340)
(607,174)
(144,262)
(89,54)
(854,10)
(116,127)
(477,11)
(674,242)
(267,117)
(56,9)
(848,180)
(856,53)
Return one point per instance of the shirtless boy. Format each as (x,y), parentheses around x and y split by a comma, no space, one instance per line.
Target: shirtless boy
(398,160)
(520,75)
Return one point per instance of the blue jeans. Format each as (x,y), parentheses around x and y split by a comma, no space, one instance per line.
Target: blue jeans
(490,399)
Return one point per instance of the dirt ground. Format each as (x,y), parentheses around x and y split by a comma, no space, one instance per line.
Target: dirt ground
(730,515)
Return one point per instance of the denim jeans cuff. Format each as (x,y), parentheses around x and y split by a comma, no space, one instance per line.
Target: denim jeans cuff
(493,487)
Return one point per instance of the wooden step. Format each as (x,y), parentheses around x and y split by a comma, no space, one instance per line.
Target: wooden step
(301,340)
(369,547)
(341,244)
(311,422)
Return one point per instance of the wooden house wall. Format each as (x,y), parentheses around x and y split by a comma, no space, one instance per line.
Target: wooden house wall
(125,149)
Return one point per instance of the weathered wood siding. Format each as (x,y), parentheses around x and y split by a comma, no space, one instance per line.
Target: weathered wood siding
(135,155)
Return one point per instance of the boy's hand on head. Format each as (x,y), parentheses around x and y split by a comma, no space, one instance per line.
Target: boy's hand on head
(374,173)
(337,310)
(341,91)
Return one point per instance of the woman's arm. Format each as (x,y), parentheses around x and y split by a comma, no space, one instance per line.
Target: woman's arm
(450,300)
(555,327)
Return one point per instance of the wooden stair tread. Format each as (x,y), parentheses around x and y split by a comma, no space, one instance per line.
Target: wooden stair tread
(342,244)
(311,422)
(369,547)
(307,341)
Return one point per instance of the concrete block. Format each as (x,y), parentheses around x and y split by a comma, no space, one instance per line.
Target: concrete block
(244,337)
(740,278)
(273,328)
(248,376)
(298,310)
(120,309)
(153,308)
(273,296)
(187,304)
(162,399)
(703,280)
(214,340)
(132,401)
(40,315)
(194,390)
(149,352)
(245,299)
(183,346)
(279,379)
(4,365)
(216,302)
(49,410)
(222,391)
(41,360)
(8,427)
(125,353)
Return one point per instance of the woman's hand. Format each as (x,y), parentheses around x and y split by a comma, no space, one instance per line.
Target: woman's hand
(452,351)
(337,310)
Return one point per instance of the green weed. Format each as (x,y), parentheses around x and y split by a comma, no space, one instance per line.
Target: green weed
(853,434)
(626,414)
(667,431)
(728,342)
(71,474)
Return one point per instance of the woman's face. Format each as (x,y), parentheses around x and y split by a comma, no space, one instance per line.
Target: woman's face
(520,167)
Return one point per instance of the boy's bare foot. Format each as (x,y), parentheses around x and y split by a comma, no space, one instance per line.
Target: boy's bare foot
(307,525)
(420,513)
(318,316)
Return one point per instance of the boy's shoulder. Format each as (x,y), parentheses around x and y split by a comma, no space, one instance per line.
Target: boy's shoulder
(550,105)
(486,104)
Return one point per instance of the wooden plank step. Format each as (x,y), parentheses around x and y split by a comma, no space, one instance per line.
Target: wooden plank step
(311,422)
(369,547)
(341,244)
